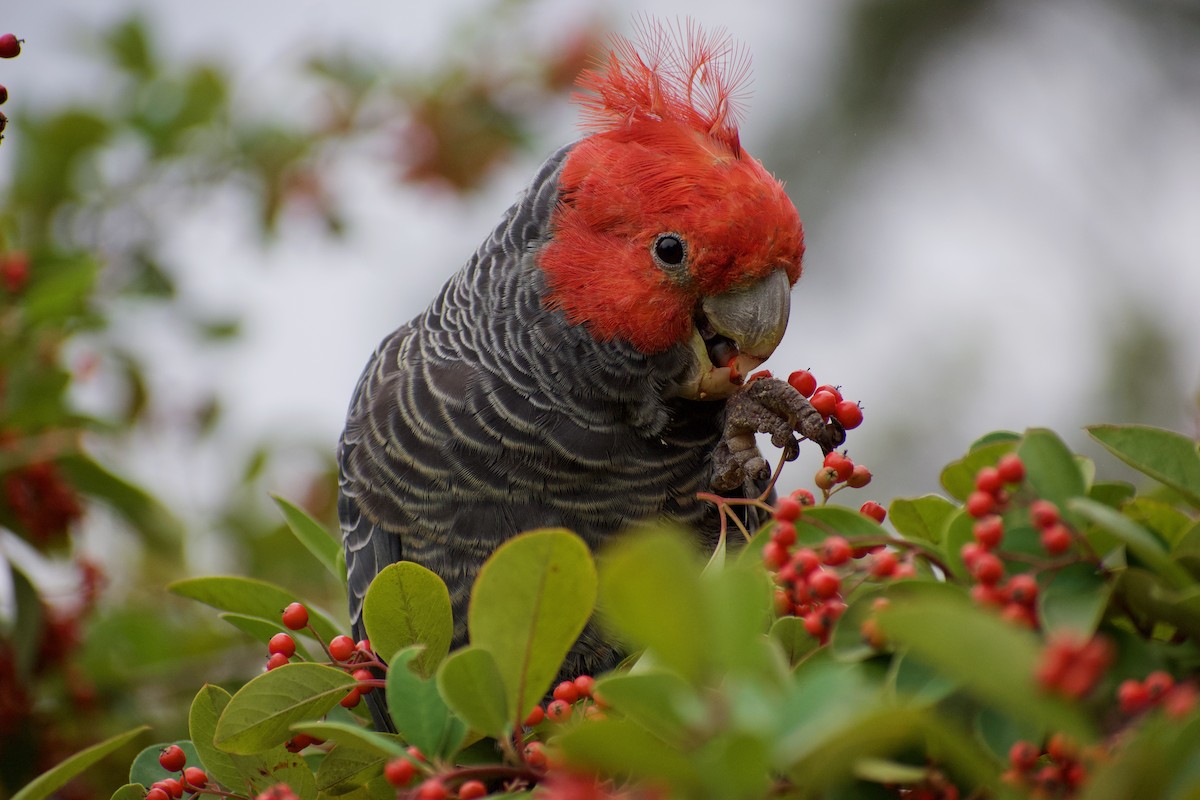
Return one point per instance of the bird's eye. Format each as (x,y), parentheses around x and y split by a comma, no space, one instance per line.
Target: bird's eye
(669,249)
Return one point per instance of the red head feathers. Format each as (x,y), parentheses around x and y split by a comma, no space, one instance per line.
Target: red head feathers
(663,158)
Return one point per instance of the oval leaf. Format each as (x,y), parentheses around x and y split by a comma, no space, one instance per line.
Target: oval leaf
(1050,467)
(418,711)
(49,782)
(346,734)
(924,518)
(251,597)
(530,602)
(407,604)
(262,712)
(1168,457)
(1075,599)
(321,543)
(1141,542)
(471,685)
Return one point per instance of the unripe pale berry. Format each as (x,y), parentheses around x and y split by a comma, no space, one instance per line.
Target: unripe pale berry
(839,463)
(859,477)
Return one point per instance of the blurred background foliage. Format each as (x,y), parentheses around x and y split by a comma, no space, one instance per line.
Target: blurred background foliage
(90,644)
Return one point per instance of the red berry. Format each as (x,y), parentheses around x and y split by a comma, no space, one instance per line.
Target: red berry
(364,646)
(433,789)
(566,691)
(362,676)
(1011,468)
(415,753)
(10,46)
(341,648)
(194,778)
(970,553)
(472,790)
(980,504)
(849,414)
(1061,747)
(14,266)
(988,480)
(1056,539)
(295,617)
(282,644)
(775,555)
(988,569)
(873,510)
(824,584)
(883,564)
(859,477)
(816,623)
(835,550)
(299,742)
(1133,697)
(172,786)
(1022,589)
(586,684)
(172,758)
(535,717)
(1018,614)
(804,497)
(787,509)
(1023,755)
(351,699)
(989,531)
(535,755)
(803,382)
(1043,513)
(558,710)
(1181,701)
(276,661)
(824,403)
(1158,683)
(986,595)
(833,390)
(784,533)
(840,464)
(3,95)
(157,793)
(399,771)
(805,560)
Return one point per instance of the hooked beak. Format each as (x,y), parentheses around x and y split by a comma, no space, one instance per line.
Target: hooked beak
(735,333)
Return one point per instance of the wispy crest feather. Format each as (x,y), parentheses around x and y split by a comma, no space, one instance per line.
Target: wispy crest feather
(677,73)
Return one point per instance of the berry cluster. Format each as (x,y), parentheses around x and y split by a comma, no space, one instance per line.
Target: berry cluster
(43,502)
(995,488)
(1072,666)
(14,265)
(826,399)
(10,47)
(191,779)
(1056,770)
(810,580)
(569,698)
(1157,690)
(356,658)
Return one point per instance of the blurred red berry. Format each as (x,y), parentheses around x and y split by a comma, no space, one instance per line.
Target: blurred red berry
(980,504)
(1011,468)
(835,550)
(784,533)
(988,569)
(535,717)
(472,790)
(988,480)
(824,584)
(1043,514)
(1022,588)
(1158,683)
(1023,755)
(804,497)
(433,789)
(1056,539)
(586,684)
(1133,697)
(787,509)
(10,46)
(566,691)
(399,771)
(989,531)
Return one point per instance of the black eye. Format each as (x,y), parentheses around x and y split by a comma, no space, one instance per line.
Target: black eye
(669,249)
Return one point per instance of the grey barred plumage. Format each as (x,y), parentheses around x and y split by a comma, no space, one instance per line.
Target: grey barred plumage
(490,414)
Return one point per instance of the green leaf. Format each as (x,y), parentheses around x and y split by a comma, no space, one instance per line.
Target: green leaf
(407,604)
(1075,599)
(1050,467)
(1141,542)
(651,699)
(845,521)
(923,518)
(740,611)
(621,747)
(346,734)
(250,597)
(313,536)
(825,697)
(1112,493)
(633,581)
(471,685)
(417,709)
(263,711)
(993,660)
(354,773)
(794,640)
(259,771)
(1164,519)
(958,478)
(531,601)
(130,791)
(1170,458)
(49,782)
